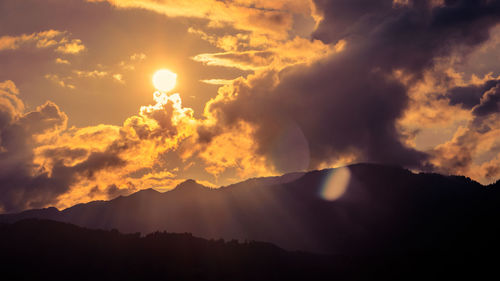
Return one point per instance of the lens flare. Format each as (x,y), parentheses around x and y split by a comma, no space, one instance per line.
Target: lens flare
(164,80)
(335,184)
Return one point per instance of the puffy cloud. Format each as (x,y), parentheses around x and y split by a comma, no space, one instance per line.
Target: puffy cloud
(491,169)
(10,104)
(41,39)
(62,61)
(45,117)
(479,138)
(279,56)
(91,74)
(44,39)
(118,77)
(235,149)
(65,82)
(138,56)
(253,34)
(90,156)
(99,72)
(227,42)
(68,81)
(64,154)
(273,18)
(75,46)
(131,62)
(489,103)
(349,103)
(470,95)
(22,185)
(35,167)
(351,93)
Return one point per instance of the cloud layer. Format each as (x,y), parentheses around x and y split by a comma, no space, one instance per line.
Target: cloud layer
(347,104)
(286,86)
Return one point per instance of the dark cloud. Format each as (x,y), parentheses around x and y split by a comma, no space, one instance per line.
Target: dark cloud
(95,162)
(18,186)
(111,191)
(492,172)
(94,191)
(470,96)
(490,103)
(43,118)
(408,37)
(65,153)
(22,184)
(457,155)
(114,191)
(488,107)
(344,18)
(348,104)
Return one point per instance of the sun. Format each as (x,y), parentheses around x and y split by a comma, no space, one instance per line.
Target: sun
(164,80)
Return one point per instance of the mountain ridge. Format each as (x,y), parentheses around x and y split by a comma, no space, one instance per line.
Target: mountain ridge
(380,201)
(35,249)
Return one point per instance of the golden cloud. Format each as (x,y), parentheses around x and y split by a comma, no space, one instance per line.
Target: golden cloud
(9,100)
(65,82)
(284,54)
(236,149)
(141,140)
(75,46)
(273,18)
(62,61)
(43,39)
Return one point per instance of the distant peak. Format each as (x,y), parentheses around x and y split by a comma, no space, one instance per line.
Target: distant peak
(189,184)
(188,181)
(142,192)
(149,190)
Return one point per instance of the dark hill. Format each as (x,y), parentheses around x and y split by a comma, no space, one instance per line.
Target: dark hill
(384,209)
(47,250)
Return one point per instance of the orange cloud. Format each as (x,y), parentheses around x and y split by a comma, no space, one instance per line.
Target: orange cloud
(91,74)
(75,46)
(253,34)
(236,149)
(141,140)
(65,82)
(275,56)
(43,39)
(273,18)
(9,100)
(93,155)
(62,61)
(103,161)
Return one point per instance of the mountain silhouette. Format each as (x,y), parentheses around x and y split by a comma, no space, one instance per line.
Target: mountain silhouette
(34,249)
(377,210)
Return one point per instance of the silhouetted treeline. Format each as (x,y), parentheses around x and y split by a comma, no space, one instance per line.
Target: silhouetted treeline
(47,250)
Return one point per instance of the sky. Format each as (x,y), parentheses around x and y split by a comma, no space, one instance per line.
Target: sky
(263,88)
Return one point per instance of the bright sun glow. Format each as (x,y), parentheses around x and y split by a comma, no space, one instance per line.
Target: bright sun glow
(164,80)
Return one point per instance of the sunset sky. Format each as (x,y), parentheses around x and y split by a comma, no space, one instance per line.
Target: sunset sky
(264,87)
